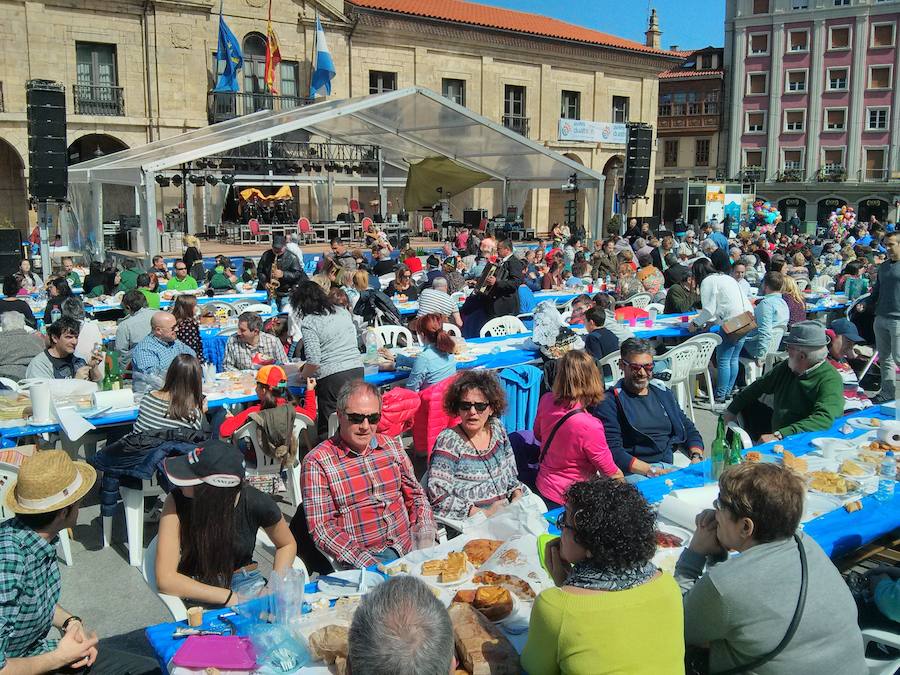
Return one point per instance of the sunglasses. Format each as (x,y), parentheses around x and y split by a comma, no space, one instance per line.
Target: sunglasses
(464,406)
(720,503)
(357,418)
(647,367)
(561,522)
(181,268)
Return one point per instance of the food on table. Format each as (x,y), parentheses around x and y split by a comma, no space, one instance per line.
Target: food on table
(778,449)
(402,297)
(482,648)
(330,644)
(450,569)
(432,568)
(855,505)
(874,422)
(830,482)
(667,540)
(510,557)
(393,570)
(466,595)
(871,457)
(850,468)
(878,446)
(517,586)
(791,461)
(494,602)
(753,456)
(479,550)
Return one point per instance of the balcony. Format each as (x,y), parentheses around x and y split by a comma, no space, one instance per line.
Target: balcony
(790,176)
(754,174)
(873,175)
(516,123)
(226,105)
(831,173)
(91,99)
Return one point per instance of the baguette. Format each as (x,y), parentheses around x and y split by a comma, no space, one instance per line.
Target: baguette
(482,648)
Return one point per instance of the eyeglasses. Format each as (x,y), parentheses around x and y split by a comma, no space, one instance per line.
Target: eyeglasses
(181,268)
(464,406)
(357,418)
(561,522)
(647,367)
(720,503)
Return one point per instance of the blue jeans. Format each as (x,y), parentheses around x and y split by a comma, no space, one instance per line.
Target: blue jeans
(727,360)
(247,583)
(386,556)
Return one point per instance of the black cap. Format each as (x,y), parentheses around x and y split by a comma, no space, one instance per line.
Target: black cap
(433,261)
(213,462)
(278,241)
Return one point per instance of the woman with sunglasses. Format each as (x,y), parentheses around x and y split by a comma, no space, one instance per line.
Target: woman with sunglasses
(741,607)
(402,284)
(473,470)
(577,450)
(612,610)
(435,363)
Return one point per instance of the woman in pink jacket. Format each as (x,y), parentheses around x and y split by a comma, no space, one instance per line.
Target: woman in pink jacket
(577,450)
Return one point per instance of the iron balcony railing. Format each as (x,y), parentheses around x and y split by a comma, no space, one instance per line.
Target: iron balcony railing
(516,123)
(95,99)
(226,105)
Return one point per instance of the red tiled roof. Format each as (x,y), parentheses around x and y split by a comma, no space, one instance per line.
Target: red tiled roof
(671,74)
(460,11)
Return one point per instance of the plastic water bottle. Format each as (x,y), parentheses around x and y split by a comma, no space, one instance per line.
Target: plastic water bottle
(273,306)
(371,345)
(55,315)
(887,476)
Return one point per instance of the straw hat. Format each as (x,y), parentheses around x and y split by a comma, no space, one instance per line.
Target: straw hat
(48,481)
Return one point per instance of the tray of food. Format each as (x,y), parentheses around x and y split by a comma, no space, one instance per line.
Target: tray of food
(856,468)
(453,570)
(864,422)
(832,483)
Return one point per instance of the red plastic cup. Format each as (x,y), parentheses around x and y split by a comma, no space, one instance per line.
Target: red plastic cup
(685,318)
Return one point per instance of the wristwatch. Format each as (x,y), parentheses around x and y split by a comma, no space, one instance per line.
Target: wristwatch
(66,623)
(778,435)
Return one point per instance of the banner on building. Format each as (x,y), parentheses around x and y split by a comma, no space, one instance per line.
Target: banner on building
(593,132)
(715,202)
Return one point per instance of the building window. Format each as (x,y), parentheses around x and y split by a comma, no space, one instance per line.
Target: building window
(794,120)
(793,160)
(839,37)
(694,105)
(756,122)
(570,105)
(799,4)
(288,73)
(836,119)
(620,109)
(875,165)
(454,89)
(706,62)
(753,158)
(880,77)
(876,119)
(701,152)
(381,81)
(514,109)
(796,81)
(841,3)
(798,41)
(760,6)
(711,103)
(882,35)
(759,44)
(833,158)
(665,105)
(758,83)
(96,90)
(670,156)
(255,70)
(837,79)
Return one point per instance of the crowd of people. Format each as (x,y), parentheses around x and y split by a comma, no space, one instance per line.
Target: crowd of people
(362,501)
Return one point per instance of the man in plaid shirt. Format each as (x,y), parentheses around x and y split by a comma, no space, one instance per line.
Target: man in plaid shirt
(251,347)
(360,494)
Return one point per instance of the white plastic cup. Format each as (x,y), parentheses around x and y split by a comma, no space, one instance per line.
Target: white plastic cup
(40,403)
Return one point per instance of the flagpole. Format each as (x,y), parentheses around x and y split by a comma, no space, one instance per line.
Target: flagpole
(313,59)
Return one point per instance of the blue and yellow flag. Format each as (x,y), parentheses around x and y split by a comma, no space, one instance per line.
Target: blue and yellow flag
(229,53)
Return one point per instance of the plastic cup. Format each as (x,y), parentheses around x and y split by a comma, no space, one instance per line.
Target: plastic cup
(632,321)
(685,318)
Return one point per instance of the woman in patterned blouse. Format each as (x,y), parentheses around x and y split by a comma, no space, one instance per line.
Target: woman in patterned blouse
(187,329)
(473,469)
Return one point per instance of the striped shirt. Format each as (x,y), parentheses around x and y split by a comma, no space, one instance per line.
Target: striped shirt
(153,415)
(436,302)
(239,355)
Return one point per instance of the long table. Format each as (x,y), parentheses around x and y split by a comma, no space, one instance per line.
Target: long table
(837,532)
(411,307)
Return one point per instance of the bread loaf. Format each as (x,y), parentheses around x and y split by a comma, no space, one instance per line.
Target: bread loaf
(482,648)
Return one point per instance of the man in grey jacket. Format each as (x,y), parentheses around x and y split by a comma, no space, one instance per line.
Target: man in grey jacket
(886,299)
(133,328)
(19,346)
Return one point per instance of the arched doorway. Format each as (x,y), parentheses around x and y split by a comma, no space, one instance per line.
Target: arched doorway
(612,188)
(874,206)
(567,206)
(792,206)
(827,206)
(13,193)
(255,73)
(118,200)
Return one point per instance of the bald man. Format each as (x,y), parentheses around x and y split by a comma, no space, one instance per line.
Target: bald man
(151,357)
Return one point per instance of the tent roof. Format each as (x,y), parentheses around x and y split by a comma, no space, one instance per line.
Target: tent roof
(409,125)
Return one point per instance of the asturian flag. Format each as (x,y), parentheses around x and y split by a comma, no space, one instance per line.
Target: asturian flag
(229,52)
(273,55)
(323,64)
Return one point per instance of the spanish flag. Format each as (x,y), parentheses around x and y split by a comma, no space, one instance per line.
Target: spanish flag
(273,54)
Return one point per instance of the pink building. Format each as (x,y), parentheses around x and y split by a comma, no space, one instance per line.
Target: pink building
(811,104)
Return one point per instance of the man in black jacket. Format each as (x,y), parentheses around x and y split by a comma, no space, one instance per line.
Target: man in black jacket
(289,270)
(502,296)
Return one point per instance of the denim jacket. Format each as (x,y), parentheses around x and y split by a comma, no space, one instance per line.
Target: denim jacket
(770,311)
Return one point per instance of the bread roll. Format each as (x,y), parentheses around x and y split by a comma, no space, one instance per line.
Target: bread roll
(482,648)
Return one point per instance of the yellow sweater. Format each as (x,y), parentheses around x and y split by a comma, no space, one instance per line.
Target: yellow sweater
(635,632)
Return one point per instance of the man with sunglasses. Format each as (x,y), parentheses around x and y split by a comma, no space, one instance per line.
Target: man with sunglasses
(643,422)
(360,494)
(182,281)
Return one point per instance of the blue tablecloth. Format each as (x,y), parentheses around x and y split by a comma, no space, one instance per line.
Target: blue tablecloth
(838,532)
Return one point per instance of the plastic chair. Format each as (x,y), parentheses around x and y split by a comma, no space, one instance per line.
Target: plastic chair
(173,603)
(354,207)
(746,441)
(366,225)
(639,300)
(611,361)
(452,329)
(657,306)
(257,234)
(882,637)
(258,307)
(503,325)
(133,502)
(482,225)
(752,371)
(386,279)
(216,305)
(11,384)
(388,336)
(706,344)
(269,466)
(304,228)
(428,229)
(681,359)
(240,306)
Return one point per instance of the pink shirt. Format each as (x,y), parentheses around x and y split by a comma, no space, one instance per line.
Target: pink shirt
(578,451)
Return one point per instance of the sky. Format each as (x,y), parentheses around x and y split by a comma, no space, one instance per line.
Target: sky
(690,24)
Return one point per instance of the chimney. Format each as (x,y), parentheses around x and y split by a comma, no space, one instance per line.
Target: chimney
(653,32)
(673,48)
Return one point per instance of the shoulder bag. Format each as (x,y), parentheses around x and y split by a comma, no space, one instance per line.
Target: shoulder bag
(529,474)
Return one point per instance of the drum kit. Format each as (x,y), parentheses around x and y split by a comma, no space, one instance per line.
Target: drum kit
(279,212)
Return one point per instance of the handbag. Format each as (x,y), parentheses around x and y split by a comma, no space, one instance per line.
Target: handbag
(696,661)
(528,474)
(738,326)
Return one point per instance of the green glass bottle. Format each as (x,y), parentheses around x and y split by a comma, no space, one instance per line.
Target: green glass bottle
(735,449)
(719,451)
(112,367)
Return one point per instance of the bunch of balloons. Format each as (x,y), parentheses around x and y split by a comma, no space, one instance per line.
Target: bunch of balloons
(840,221)
(765,215)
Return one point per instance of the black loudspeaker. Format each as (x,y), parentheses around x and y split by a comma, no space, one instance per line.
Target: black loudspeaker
(10,252)
(48,174)
(637,159)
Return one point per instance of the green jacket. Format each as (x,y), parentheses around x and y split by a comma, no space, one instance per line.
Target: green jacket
(74,279)
(128,280)
(808,402)
(219,282)
(679,300)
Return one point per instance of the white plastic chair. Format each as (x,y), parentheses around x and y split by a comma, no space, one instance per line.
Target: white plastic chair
(883,637)
(452,329)
(240,306)
(269,466)
(706,344)
(612,362)
(388,336)
(639,300)
(681,359)
(746,441)
(173,603)
(503,325)
(258,307)
(660,308)
(216,305)
(752,371)
(386,279)
(11,384)
(133,502)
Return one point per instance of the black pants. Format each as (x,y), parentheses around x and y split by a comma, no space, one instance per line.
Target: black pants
(306,548)
(757,419)
(117,662)
(327,390)
(215,417)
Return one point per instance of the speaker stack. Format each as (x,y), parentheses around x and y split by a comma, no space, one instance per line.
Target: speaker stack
(48,167)
(637,159)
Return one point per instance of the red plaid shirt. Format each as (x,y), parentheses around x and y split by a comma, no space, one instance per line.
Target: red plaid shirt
(359,504)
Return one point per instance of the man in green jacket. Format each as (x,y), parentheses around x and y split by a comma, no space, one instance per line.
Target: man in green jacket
(128,275)
(806,391)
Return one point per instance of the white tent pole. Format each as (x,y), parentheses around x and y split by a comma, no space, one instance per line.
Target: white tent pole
(505,202)
(597,224)
(329,198)
(190,211)
(382,192)
(151,237)
(95,219)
